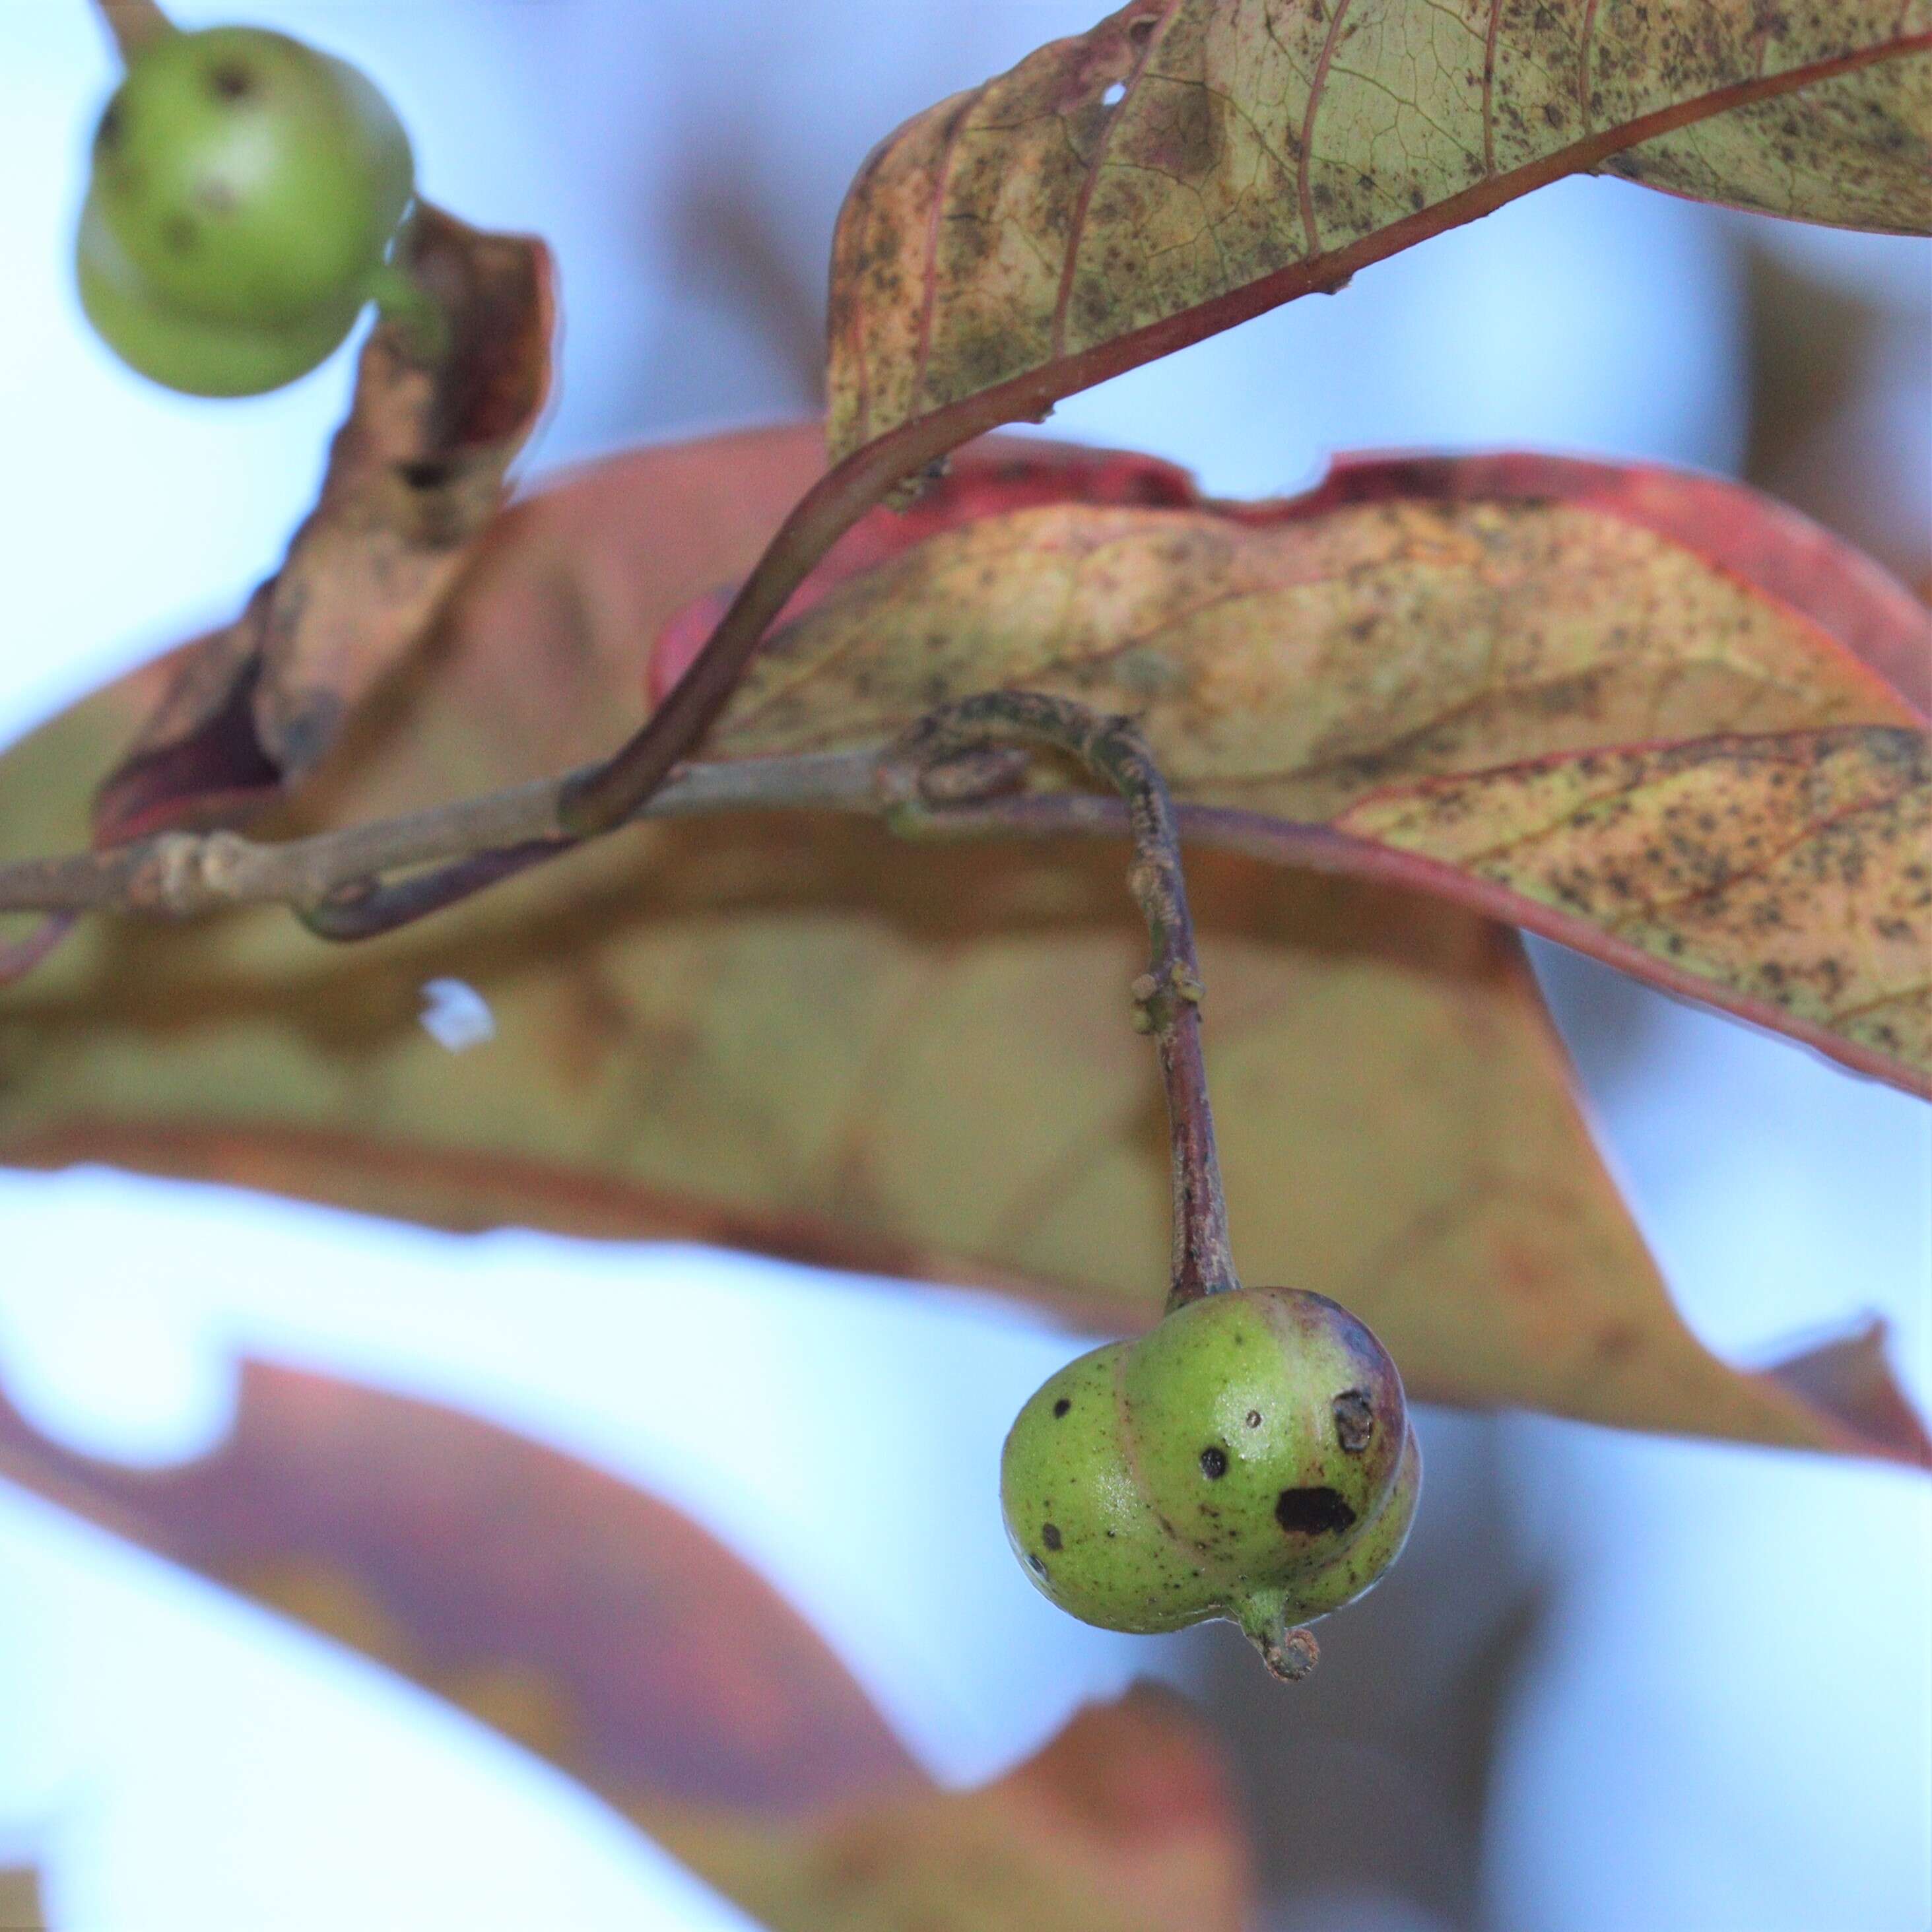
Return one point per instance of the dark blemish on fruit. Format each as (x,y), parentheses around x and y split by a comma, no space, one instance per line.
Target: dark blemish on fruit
(1037,1564)
(1313,1512)
(1254,1418)
(229,82)
(1060,1407)
(108,133)
(178,234)
(1050,1535)
(1354,1420)
(1213,1464)
(425,475)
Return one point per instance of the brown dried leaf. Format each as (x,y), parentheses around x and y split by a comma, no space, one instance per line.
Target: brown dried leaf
(802,1035)
(604,1631)
(1188,163)
(416,474)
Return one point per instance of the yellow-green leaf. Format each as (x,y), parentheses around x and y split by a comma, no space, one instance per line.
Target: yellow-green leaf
(1188,163)
(798,1034)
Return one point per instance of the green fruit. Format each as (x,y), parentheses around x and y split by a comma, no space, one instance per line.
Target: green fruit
(250,181)
(1250,1457)
(195,357)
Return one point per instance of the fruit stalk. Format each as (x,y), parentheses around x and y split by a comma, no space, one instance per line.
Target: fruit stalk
(133,23)
(1168,996)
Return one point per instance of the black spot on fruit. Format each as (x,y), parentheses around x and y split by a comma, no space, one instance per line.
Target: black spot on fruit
(230,81)
(1312,1512)
(1214,1463)
(1354,1421)
(1060,1407)
(1050,1535)
(1037,1563)
(1254,1418)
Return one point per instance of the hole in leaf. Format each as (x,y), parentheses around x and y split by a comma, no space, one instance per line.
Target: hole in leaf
(456,1016)
(1115,95)
(1313,1512)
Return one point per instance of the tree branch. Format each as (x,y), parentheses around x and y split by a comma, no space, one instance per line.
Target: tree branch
(180,874)
(1168,996)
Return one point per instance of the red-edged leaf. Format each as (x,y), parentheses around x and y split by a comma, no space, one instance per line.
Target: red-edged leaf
(648,1657)
(1125,1822)
(1519,682)
(798,1034)
(605,1631)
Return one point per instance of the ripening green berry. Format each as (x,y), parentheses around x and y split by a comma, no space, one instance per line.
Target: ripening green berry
(246,191)
(184,353)
(1249,1457)
(250,180)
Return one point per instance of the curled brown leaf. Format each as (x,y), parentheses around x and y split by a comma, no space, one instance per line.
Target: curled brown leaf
(416,474)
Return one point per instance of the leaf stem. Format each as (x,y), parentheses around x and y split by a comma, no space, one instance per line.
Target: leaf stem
(1167,995)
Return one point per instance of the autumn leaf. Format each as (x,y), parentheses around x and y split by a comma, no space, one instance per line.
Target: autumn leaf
(602,1630)
(1190,163)
(1443,674)
(799,1035)
(1795,868)
(1123,1823)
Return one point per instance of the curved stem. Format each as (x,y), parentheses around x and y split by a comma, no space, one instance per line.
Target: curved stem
(1168,996)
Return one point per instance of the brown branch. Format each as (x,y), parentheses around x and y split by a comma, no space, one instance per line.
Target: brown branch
(1167,997)
(180,874)
(19,957)
(358,907)
(133,23)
